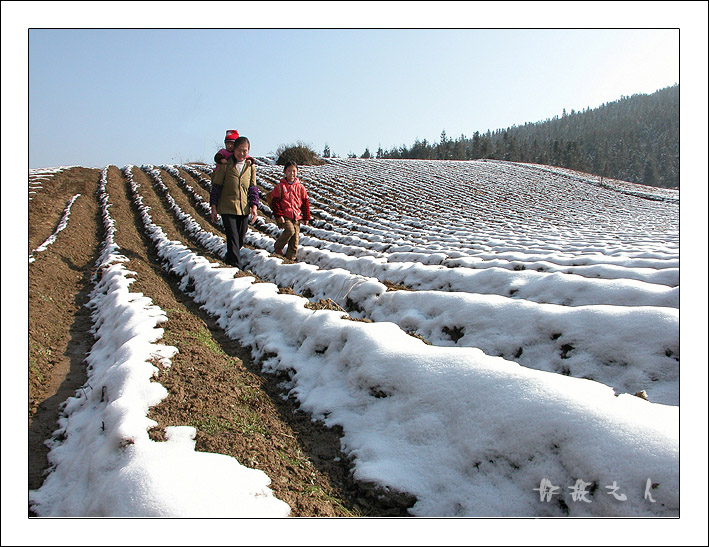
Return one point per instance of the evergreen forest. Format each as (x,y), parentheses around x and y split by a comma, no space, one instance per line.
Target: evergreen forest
(635,139)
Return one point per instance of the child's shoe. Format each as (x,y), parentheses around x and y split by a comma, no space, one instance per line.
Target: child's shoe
(279,252)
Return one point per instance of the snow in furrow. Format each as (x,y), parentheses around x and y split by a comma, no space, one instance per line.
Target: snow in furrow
(562,256)
(494,189)
(541,287)
(628,348)
(557,257)
(406,426)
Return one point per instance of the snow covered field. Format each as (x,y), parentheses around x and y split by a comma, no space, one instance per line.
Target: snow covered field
(548,299)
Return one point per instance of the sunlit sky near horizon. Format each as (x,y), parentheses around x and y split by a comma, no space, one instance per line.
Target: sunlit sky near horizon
(167,95)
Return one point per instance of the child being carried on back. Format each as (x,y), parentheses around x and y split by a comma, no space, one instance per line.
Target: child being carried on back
(225,153)
(222,157)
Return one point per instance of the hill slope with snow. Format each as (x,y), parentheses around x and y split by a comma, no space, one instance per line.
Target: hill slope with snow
(541,302)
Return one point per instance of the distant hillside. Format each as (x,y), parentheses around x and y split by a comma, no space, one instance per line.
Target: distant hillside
(634,139)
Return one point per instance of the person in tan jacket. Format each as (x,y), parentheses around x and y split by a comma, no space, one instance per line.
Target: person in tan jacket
(234,196)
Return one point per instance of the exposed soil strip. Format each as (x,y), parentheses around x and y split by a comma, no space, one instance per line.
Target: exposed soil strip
(59,283)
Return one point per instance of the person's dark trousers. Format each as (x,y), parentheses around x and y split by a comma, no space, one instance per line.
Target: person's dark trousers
(235,227)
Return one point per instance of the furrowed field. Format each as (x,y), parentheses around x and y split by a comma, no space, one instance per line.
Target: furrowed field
(455,338)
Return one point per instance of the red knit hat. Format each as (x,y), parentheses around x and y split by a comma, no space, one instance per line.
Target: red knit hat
(231,135)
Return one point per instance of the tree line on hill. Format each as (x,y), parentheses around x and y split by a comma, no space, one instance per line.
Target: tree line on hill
(635,139)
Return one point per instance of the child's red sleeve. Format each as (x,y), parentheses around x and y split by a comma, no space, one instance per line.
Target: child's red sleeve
(276,201)
(305,206)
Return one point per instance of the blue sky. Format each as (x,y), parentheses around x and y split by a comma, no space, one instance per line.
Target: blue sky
(167,95)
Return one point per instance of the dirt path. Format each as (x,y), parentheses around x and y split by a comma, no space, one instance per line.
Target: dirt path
(213,384)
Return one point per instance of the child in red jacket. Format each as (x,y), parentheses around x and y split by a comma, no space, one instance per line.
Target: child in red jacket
(290,204)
